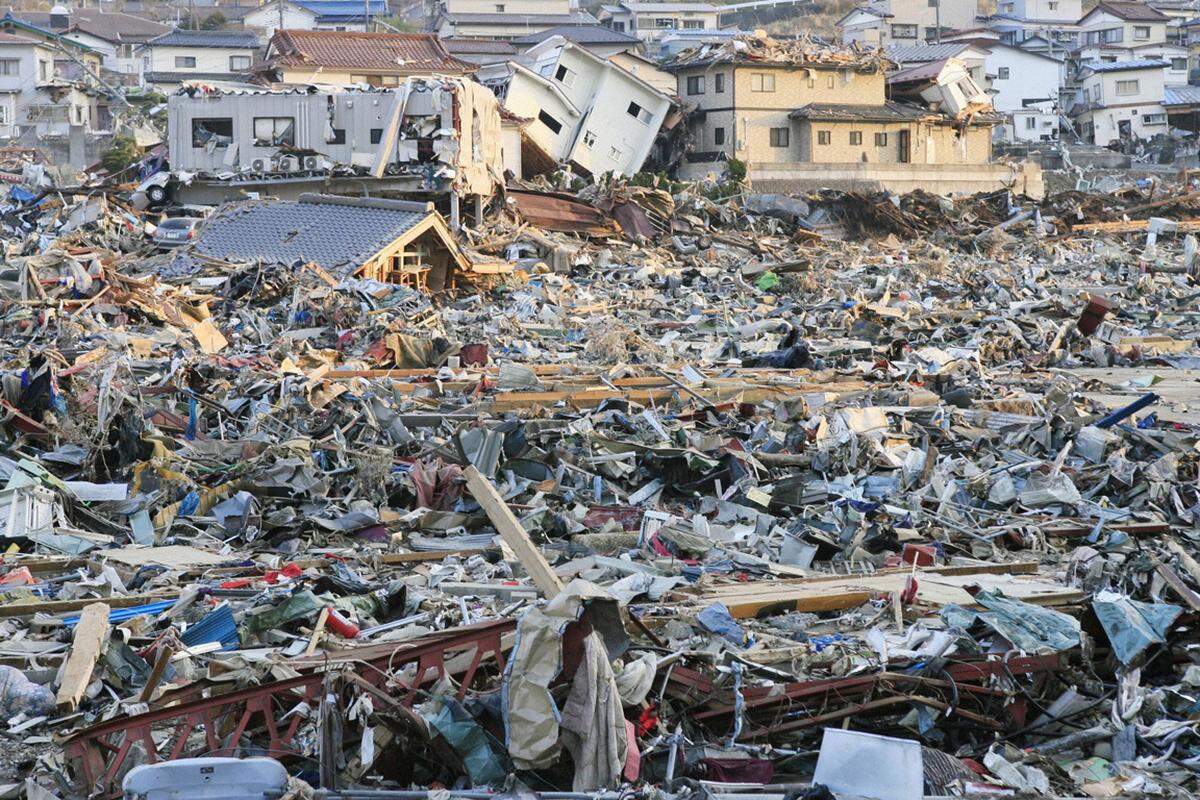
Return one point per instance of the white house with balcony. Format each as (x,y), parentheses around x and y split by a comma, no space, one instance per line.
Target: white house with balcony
(906,22)
(1121,101)
(649,22)
(33,98)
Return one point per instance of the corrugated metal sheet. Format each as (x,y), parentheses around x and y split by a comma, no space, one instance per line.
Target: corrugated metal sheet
(216,626)
(554,212)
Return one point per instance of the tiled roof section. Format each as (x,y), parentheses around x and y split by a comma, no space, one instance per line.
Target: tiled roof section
(922,53)
(337,233)
(580,34)
(185,77)
(1133,12)
(1181,96)
(574,18)
(344,9)
(479,47)
(185,38)
(847,112)
(399,52)
(112,26)
(8,38)
(1124,66)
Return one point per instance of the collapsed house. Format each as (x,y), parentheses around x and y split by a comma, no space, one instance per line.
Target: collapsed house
(436,137)
(393,241)
(801,115)
(585,111)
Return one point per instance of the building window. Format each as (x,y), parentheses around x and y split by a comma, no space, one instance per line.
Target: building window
(589,139)
(616,154)
(665,23)
(719,83)
(1179,64)
(1141,32)
(1154,119)
(499,8)
(855,137)
(762,82)
(239,63)
(829,84)
(1127,87)
(823,137)
(564,75)
(338,136)
(219,131)
(638,113)
(693,24)
(185,62)
(695,84)
(881,140)
(10,66)
(376,135)
(812,82)
(1030,123)
(718,136)
(904,31)
(618,26)
(550,122)
(274,131)
(6,113)
(1002,73)
(1053,6)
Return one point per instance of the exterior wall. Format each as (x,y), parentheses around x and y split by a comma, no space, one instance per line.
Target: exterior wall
(265,21)
(1042,10)
(526,97)
(1156,32)
(640,68)
(649,26)
(1029,77)
(929,144)
(208,59)
(966,179)
(869,32)
(1029,125)
(343,79)
(510,144)
(25,108)
(509,6)
(1105,123)
(923,15)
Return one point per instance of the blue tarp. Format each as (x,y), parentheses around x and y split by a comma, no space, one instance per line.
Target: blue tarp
(1133,626)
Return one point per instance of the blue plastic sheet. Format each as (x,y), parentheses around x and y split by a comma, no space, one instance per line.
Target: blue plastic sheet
(717,619)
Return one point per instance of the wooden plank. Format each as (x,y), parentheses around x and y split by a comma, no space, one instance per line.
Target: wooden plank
(776,586)
(510,530)
(86,647)
(67,606)
(1176,583)
(318,631)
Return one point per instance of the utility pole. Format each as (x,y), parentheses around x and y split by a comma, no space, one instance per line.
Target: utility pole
(279,4)
(937,20)
(367,15)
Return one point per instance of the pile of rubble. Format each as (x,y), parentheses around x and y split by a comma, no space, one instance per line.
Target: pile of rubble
(774,496)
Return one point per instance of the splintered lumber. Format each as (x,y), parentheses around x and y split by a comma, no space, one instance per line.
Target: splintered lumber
(510,530)
(86,647)
(935,588)
(1132,226)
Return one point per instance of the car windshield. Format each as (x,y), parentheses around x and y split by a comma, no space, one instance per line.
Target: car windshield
(176,224)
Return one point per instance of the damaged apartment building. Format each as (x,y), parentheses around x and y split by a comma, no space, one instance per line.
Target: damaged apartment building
(432,138)
(581,110)
(803,116)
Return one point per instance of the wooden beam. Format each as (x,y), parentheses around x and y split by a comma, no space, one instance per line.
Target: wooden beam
(86,647)
(510,530)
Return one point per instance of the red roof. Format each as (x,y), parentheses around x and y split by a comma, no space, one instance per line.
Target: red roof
(389,52)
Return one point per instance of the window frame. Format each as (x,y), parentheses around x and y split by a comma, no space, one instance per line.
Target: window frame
(552,124)
(274,121)
(185,60)
(759,82)
(1128,82)
(896,27)
(198,122)
(824,137)
(881,139)
(856,139)
(248,60)
(694,85)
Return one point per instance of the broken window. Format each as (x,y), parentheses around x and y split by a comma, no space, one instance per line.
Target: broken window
(718,136)
(274,131)
(695,84)
(239,63)
(565,76)
(185,62)
(762,82)
(550,122)
(339,136)
(855,137)
(589,139)
(719,83)
(823,137)
(638,113)
(216,130)
(376,135)
(881,140)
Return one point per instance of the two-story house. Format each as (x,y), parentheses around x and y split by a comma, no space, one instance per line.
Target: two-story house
(505,20)
(313,15)
(114,35)
(181,56)
(350,58)
(884,22)
(586,111)
(73,61)
(822,118)
(36,102)
(650,21)
(1121,101)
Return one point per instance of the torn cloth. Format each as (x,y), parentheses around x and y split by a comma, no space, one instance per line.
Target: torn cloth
(591,724)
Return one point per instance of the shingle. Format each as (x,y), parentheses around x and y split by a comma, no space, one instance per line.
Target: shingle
(337,236)
(185,38)
(356,50)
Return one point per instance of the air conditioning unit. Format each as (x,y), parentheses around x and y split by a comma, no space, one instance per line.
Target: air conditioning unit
(311,163)
(260,165)
(289,164)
